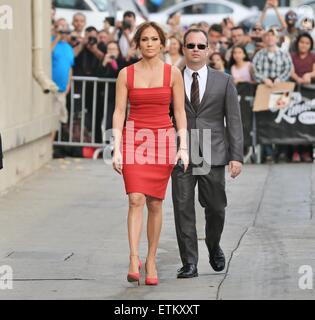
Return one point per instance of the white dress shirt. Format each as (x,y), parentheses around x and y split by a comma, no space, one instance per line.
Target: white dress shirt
(202,80)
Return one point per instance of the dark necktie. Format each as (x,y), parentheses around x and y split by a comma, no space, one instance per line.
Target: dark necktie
(194,94)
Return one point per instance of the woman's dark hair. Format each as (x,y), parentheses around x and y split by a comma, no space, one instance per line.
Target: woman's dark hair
(232,60)
(180,44)
(304,35)
(220,55)
(146,25)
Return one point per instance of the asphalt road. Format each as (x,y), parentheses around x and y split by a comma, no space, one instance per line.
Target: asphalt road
(63,233)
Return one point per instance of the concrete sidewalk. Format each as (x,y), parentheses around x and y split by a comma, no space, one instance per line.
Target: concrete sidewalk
(63,231)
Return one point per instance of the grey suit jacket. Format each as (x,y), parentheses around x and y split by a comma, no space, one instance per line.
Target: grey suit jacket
(218,106)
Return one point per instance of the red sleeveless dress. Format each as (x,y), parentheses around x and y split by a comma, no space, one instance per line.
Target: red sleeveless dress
(149,138)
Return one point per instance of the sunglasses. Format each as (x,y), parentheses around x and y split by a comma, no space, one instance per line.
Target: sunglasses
(200,46)
(293,17)
(258,29)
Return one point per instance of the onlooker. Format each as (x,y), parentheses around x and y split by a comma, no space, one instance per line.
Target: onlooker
(303,73)
(291,19)
(175,56)
(240,66)
(128,29)
(227,26)
(113,62)
(173,23)
(257,38)
(271,65)
(62,63)
(133,55)
(303,60)
(103,37)
(109,25)
(224,45)
(88,54)
(239,38)
(217,62)
(79,24)
(203,25)
(214,36)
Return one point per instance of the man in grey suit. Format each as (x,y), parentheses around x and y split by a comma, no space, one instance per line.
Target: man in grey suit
(211,106)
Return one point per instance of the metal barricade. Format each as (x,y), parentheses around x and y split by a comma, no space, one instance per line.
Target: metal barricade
(88,105)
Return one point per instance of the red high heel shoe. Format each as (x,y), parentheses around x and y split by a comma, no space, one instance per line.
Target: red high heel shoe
(135,276)
(151,281)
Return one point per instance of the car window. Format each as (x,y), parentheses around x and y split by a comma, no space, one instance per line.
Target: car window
(71,4)
(102,5)
(194,9)
(217,8)
(312,5)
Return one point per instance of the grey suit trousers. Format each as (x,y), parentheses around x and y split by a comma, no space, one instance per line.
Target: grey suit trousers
(211,196)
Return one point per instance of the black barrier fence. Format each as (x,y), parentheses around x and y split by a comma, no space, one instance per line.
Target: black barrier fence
(294,125)
(90,112)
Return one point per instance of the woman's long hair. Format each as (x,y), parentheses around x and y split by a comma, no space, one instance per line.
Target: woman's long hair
(232,60)
(298,39)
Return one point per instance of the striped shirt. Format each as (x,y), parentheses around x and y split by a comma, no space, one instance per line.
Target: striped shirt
(272,65)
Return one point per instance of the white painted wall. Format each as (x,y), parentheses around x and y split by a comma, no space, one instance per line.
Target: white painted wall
(26,118)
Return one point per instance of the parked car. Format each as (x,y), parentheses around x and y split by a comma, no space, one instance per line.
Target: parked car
(310,3)
(271,18)
(96,10)
(211,11)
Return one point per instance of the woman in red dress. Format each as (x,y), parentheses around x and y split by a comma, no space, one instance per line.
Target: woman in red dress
(148,141)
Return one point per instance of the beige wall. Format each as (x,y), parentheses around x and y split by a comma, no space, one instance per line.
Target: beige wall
(26,117)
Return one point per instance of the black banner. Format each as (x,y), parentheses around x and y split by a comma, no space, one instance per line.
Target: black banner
(293,125)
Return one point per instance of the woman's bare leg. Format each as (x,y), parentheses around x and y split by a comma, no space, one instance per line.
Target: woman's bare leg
(135,223)
(153,233)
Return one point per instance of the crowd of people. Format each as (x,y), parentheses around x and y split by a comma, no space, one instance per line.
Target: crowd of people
(260,55)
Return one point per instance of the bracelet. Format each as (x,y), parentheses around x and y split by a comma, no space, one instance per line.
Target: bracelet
(183,149)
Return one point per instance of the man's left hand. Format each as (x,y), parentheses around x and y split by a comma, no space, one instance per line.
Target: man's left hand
(235,168)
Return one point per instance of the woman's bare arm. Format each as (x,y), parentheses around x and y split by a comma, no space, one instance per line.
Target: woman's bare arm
(119,116)
(179,106)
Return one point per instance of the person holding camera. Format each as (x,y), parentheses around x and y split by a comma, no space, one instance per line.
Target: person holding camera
(110,67)
(256,35)
(128,29)
(88,53)
(109,28)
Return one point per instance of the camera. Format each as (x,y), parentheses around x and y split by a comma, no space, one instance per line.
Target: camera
(257,39)
(126,25)
(92,41)
(112,57)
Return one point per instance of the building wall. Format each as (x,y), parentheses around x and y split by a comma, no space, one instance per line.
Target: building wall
(26,118)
